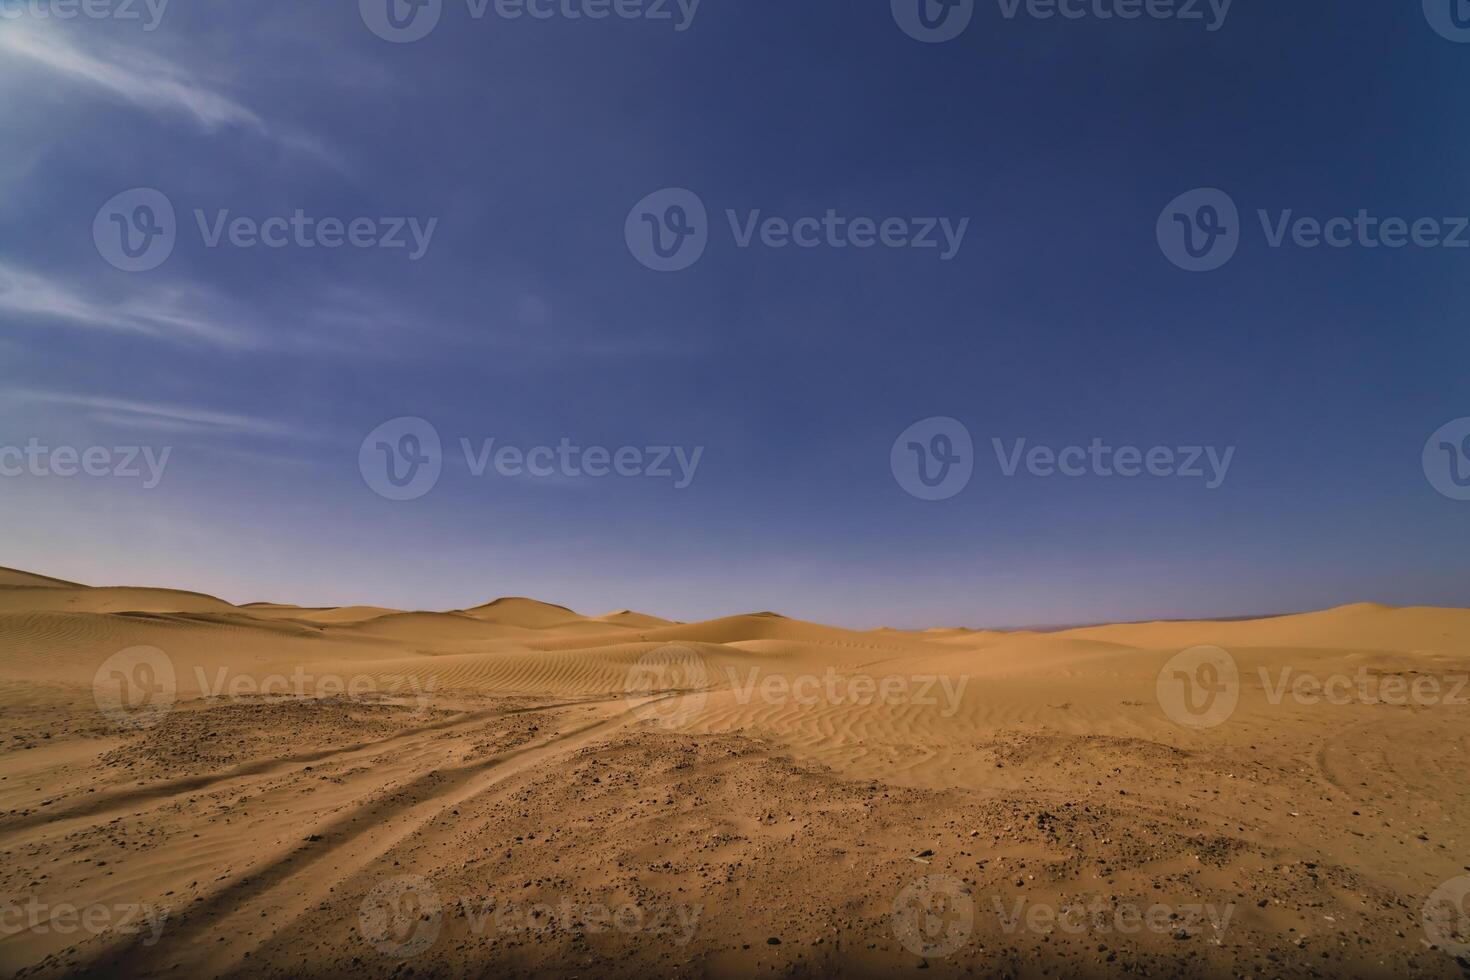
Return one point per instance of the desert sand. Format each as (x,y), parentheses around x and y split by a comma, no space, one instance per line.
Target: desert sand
(192,788)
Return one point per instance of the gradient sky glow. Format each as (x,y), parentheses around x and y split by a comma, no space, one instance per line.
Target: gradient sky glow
(528,319)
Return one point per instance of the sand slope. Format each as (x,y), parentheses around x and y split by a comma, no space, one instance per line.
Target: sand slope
(783,779)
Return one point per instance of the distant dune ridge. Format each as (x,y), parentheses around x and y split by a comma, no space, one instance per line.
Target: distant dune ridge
(229,735)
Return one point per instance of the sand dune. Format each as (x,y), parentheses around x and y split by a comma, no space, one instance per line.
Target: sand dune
(1359,626)
(527,613)
(12,578)
(636,620)
(269,774)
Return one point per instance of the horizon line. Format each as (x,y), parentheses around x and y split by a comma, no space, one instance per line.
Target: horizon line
(1028,628)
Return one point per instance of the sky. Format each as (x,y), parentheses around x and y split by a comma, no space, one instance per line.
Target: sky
(992,225)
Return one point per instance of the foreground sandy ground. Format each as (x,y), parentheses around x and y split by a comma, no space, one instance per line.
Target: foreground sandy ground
(191,788)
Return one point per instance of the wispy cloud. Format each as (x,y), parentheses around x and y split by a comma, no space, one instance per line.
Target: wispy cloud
(170,418)
(327,318)
(150,82)
(147,81)
(167,312)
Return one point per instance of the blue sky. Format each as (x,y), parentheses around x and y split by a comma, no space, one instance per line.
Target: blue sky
(528,318)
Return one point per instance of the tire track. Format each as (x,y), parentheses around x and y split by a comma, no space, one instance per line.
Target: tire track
(283,888)
(97,807)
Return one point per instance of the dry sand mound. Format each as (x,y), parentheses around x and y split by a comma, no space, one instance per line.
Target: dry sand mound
(300,791)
